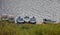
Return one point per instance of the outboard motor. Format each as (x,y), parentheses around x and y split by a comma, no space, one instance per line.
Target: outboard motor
(20,20)
(33,20)
(26,19)
(44,21)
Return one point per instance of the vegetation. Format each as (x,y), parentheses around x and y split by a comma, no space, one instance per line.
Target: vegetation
(7,28)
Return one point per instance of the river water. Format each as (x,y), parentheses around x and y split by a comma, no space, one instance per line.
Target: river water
(39,8)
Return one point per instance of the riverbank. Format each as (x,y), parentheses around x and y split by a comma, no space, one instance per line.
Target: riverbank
(7,28)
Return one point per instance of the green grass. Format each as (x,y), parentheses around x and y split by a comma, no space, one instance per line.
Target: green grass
(7,28)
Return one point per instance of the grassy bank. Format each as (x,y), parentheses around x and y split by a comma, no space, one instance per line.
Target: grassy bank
(7,28)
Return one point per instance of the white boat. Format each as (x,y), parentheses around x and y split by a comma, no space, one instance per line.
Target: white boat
(33,20)
(4,17)
(26,19)
(11,18)
(48,21)
(20,20)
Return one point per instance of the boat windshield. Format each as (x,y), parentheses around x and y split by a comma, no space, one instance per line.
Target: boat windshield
(26,17)
(32,19)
